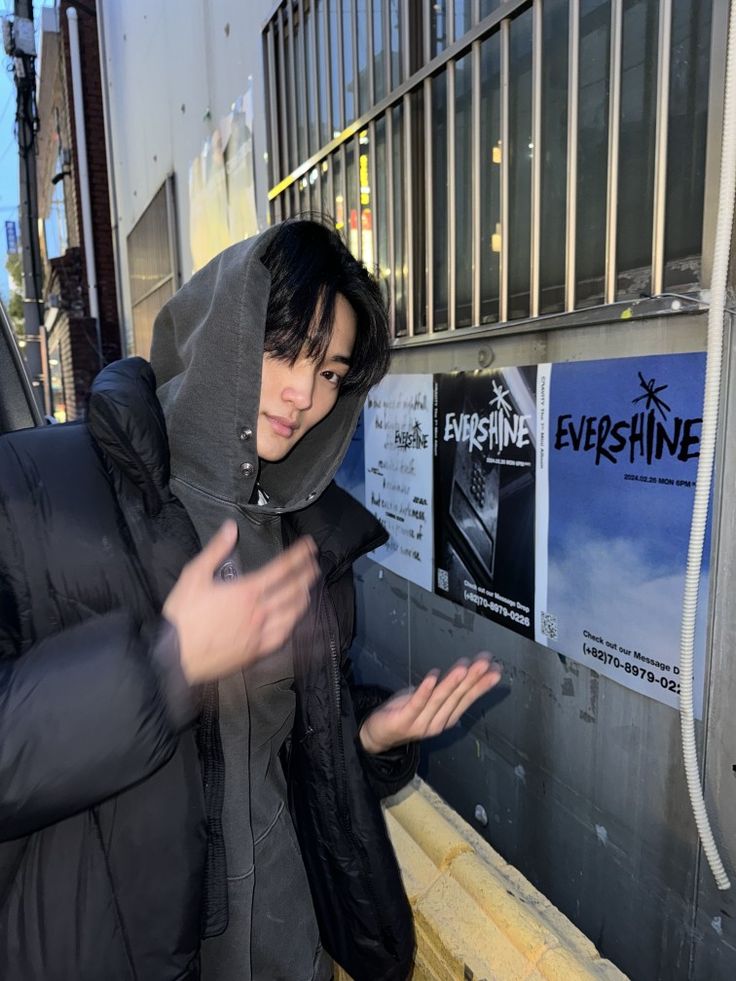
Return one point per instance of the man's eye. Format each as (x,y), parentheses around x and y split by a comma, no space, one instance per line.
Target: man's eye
(332,377)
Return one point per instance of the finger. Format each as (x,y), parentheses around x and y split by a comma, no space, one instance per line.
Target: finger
(415,705)
(291,591)
(455,676)
(217,549)
(481,687)
(455,697)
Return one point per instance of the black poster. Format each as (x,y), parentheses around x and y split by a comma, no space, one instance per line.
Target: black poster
(485,460)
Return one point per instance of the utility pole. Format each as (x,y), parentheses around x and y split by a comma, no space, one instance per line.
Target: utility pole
(19,42)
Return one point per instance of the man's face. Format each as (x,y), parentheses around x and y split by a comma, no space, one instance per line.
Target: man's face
(294,398)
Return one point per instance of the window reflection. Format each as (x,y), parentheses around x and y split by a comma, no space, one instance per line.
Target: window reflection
(490,176)
(463,193)
(688,119)
(553,196)
(592,160)
(520,164)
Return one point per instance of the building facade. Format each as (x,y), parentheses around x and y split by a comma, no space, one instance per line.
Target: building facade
(534,181)
(78,343)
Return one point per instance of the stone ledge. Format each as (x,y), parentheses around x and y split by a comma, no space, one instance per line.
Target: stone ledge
(476,917)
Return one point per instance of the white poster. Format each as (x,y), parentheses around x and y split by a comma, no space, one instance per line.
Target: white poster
(398,473)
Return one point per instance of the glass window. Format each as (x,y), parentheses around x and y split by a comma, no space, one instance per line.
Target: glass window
(327,200)
(323,75)
(312,101)
(367,250)
(301,118)
(553,199)
(688,119)
(383,261)
(592,161)
(364,100)
(438,27)
(463,17)
(637,141)
(337,123)
(379,60)
(488,6)
(397,62)
(348,62)
(439,201)
(463,193)
(400,258)
(490,176)
(338,189)
(520,164)
(351,184)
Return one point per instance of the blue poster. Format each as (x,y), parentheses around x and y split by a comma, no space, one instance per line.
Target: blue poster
(616,473)
(351,475)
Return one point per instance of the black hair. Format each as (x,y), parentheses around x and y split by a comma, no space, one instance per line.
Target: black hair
(309,265)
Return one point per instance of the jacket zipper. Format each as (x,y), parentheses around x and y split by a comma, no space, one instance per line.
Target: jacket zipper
(343,809)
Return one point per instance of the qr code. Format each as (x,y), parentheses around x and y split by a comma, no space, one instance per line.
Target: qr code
(443,580)
(549,625)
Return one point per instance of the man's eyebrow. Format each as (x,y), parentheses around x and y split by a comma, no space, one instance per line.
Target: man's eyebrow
(339,357)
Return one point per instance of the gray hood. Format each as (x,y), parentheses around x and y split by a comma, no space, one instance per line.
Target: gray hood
(207,353)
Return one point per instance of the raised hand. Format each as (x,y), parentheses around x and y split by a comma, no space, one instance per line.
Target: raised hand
(224,626)
(431,707)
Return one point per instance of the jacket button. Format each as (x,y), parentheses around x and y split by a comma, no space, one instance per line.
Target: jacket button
(247,469)
(246,434)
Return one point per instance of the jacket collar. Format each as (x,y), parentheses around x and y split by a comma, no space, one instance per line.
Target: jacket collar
(341,527)
(125,419)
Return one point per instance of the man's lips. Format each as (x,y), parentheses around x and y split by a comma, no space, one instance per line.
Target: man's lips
(281,426)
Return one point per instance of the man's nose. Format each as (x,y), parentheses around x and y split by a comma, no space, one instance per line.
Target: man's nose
(300,389)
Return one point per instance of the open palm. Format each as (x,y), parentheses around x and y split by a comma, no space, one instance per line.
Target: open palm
(431,707)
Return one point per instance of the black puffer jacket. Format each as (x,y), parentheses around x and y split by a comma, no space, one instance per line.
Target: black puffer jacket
(103,828)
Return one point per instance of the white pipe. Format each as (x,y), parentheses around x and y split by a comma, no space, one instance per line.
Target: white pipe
(83,173)
(714,360)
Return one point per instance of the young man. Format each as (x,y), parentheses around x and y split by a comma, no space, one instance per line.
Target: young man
(140,812)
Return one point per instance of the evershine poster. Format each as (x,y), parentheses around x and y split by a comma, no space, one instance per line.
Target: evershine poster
(485,450)
(619,455)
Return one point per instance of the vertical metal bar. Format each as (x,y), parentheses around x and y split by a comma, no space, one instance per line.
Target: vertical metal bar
(391,222)
(428,203)
(387,44)
(273,110)
(356,83)
(283,97)
(660,144)
(503,302)
(408,223)
(292,92)
(328,68)
(614,127)
(451,199)
(476,11)
(476,178)
(536,188)
(340,64)
(572,153)
(303,82)
(315,74)
(449,22)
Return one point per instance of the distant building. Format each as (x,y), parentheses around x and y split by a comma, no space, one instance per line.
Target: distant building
(72,332)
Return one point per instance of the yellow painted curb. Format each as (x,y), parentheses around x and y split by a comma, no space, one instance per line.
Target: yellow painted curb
(476,917)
